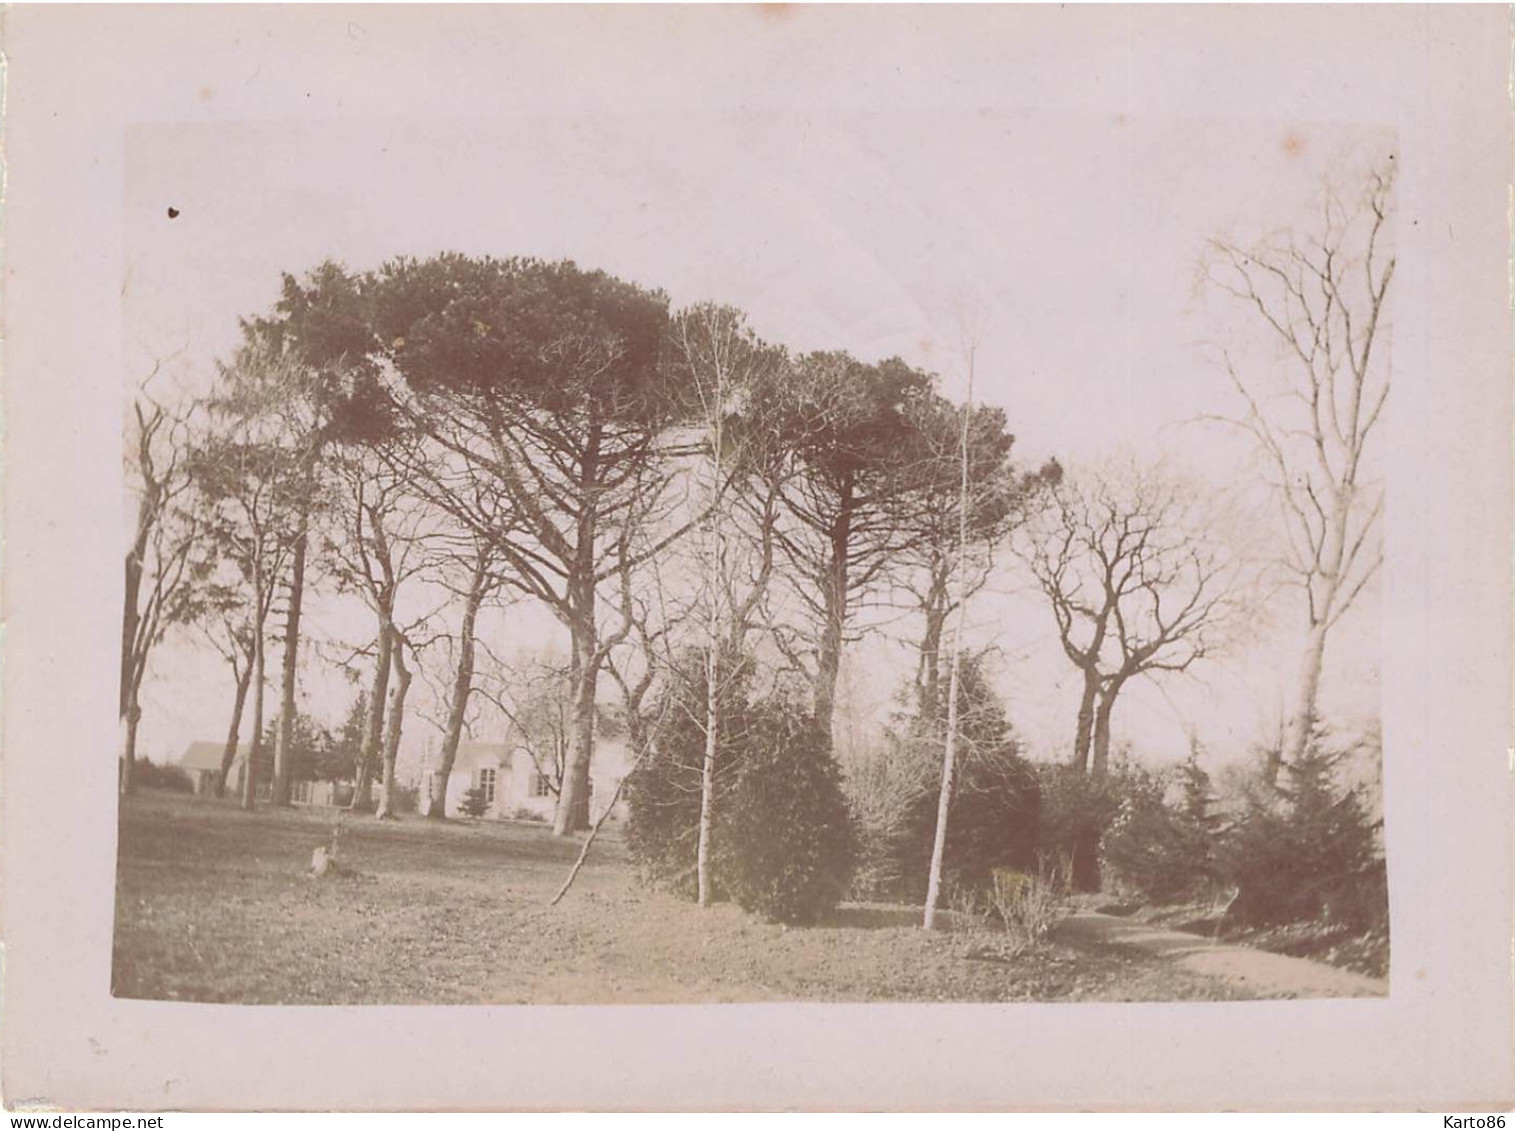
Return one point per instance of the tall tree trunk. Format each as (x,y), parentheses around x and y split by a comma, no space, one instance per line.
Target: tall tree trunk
(129,747)
(930,682)
(949,753)
(943,801)
(1302,721)
(462,688)
(572,813)
(829,663)
(1323,611)
(131,616)
(707,774)
(715,581)
(1102,726)
(1084,735)
(285,738)
(392,732)
(373,730)
(234,731)
(255,748)
(131,620)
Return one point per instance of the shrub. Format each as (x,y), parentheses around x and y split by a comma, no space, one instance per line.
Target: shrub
(407,799)
(1076,810)
(992,820)
(1029,904)
(782,839)
(150,775)
(882,782)
(1164,849)
(663,794)
(475,803)
(787,848)
(1307,849)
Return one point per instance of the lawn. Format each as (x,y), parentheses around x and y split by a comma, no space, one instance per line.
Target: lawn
(216,904)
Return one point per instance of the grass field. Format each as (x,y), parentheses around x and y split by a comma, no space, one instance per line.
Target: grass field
(215,904)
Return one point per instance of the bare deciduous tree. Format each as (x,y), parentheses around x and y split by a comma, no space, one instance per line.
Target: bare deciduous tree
(220,607)
(381,546)
(1138,584)
(958,602)
(724,365)
(159,559)
(473,557)
(1321,298)
(534,699)
(255,499)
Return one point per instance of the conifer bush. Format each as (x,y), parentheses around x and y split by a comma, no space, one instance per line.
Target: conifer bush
(1163,846)
(1307,848)
(993,816)
(663,794)
(783,843)
(474,803)
(788,847)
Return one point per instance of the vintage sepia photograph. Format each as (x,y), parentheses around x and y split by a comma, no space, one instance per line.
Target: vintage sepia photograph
(866,557)
(756,557)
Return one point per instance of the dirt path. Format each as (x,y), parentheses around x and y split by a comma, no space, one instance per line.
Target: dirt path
(1260,971)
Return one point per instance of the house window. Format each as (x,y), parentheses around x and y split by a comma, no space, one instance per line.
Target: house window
(540,787)
(300,793)
(486,782)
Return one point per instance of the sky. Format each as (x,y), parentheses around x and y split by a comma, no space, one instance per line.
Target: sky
(1064,244)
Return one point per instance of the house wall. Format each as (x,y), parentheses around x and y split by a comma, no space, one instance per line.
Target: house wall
(205,780)
(513,793)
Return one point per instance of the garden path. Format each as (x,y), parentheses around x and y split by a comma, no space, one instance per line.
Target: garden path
(1260,971)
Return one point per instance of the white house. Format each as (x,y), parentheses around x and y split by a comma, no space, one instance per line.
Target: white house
(202,761)
(514,787)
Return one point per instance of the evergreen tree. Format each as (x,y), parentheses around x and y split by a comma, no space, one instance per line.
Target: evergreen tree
(664,792)
(346,747)
(783,842)
(789,847)
(475,803)
(995,803)
(1306,847)
(310,747)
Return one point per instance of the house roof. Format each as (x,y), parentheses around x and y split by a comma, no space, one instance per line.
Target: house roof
(610,756)
(207,755)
